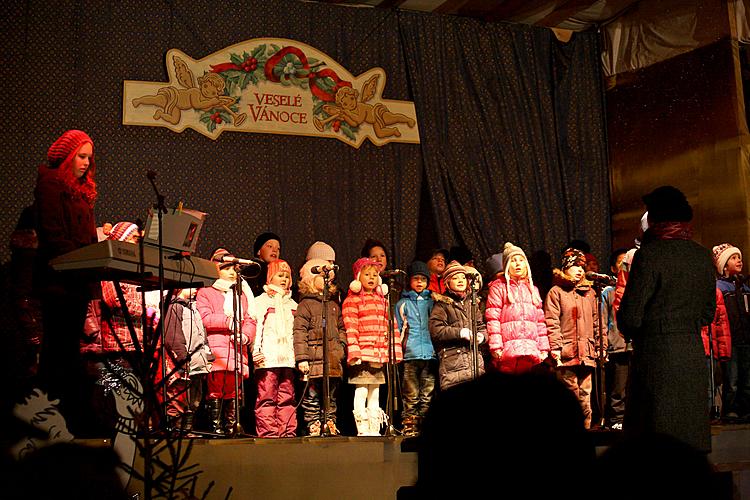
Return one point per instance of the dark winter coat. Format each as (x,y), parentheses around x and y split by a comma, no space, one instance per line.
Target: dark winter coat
(573,321)
(670,294)
(64,222)
(735,300)
(308,335)
(449,315)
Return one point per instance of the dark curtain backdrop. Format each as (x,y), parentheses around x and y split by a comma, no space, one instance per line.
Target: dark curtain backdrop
(512,133)
(512,145)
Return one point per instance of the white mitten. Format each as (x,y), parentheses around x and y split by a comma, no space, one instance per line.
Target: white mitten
(465,333)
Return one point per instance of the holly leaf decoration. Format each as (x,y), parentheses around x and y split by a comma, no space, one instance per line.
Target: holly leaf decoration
(258,52)
(347,131)
(235,59)
(326,84)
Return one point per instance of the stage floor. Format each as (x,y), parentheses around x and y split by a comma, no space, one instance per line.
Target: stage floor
(363,467)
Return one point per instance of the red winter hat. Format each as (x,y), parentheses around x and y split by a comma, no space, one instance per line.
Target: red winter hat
(66,146)
(277,266)
(356,286)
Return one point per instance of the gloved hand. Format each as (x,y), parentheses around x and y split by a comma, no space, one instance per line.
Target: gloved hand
(304,367)
(208,352)
(258,359)
(497,353)
(230,324)
(555,356)
(243,339)
(376,365)
(465,333)
(480,338)
(355,362)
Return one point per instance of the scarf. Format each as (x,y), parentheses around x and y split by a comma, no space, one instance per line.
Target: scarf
(281,326)
(224,286)
(669,231)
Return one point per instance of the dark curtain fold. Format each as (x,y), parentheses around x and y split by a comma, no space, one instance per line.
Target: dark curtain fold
(512,133)
(70,74)
(510,122)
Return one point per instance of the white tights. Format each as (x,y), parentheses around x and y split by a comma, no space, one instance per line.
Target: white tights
(366,396)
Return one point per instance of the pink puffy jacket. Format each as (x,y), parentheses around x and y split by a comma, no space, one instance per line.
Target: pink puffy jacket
(515,322)
(210,302)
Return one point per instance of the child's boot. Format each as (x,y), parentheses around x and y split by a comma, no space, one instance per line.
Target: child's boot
(409,426)
(231,425)
(214,416)
(377,418)
(313,429)
(362,420)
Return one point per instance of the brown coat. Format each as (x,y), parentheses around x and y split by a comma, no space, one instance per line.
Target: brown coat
(573,321)
(308,335)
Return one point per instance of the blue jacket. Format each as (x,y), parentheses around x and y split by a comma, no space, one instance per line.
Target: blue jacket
(415,309)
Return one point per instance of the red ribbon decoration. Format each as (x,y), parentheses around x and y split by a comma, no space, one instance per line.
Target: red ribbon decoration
(220,68)
(312,76)
(274,60)
(322,94)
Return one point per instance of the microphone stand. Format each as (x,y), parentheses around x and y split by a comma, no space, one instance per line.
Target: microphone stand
(237,344)
(715,412)
(392,372)
(325,407)
(600,355)
(160,209)
(473,318)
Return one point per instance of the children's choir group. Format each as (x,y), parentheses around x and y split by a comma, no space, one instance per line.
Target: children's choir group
(436,327)
(446,327)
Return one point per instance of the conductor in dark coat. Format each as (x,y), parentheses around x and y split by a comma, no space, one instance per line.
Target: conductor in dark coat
(671,293)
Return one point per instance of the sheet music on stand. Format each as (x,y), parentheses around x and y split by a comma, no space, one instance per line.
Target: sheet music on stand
(180,232)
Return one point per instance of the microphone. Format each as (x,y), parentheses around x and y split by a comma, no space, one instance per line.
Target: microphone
(601,278)
(324,269)
(390,273)
(242,262)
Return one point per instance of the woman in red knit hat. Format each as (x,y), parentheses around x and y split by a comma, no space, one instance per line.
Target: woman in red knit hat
(64,200)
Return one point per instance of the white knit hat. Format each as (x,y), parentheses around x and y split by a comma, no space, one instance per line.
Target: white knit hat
(321,250)
(721,255)
(509,250)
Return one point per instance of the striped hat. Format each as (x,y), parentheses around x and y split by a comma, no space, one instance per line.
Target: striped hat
(277,266)
(66,146)
(219,254)
(122,230)
(452,269)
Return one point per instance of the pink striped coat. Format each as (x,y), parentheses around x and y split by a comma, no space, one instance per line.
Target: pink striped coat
(366,320)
